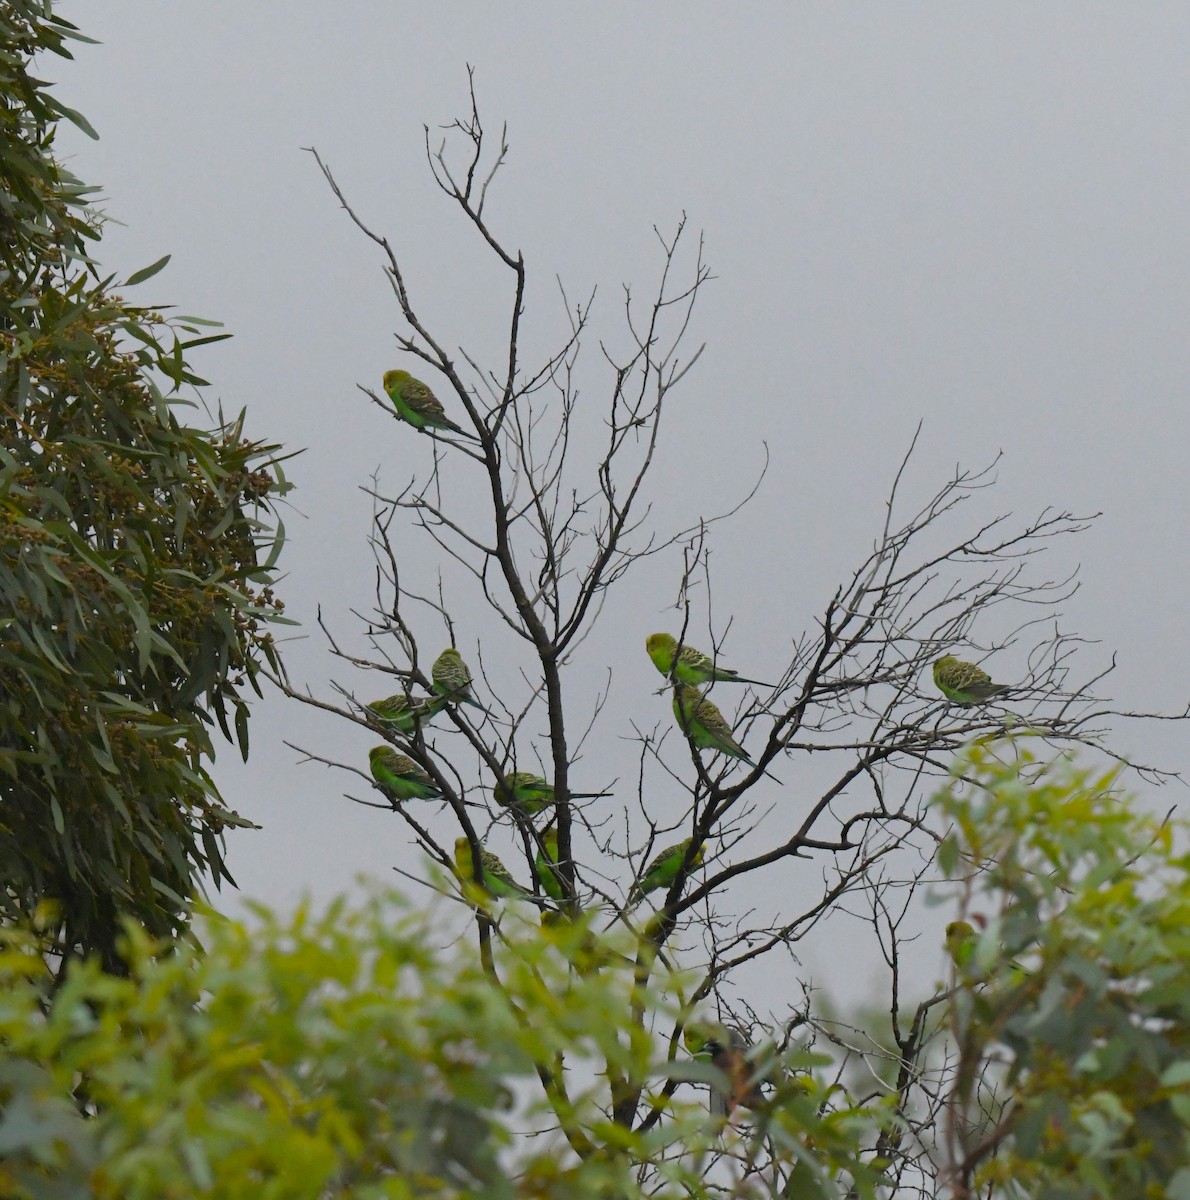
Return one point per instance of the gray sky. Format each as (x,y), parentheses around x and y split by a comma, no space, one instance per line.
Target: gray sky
(969,215)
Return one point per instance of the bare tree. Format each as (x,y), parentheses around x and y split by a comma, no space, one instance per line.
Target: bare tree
(851,721)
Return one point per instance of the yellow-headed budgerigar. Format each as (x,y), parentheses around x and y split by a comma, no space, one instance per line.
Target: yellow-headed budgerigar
(961,940)
(403,713)
(964,683)
(497,879)
(529,794)
(664,868)
(692,666)
(962,943)
(415,403)
(588,951)
(703,723)
(400,777)
(452,678)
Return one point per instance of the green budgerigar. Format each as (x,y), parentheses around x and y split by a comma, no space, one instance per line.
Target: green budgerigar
(588,951)
(961,940)
(964,683)
(664,868)
(452,678)
(692,665)
(403,713)
(415,403)
(704,724)
(497,879)
(400,777)
(544,864)
(529,794)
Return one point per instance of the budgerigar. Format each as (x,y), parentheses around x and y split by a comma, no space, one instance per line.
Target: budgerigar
(964,683)
(729,1051)
(400,777)
(452,678)
(529,794)
(588,952)
(415,403)
(703,723)
(664,868)
(961,939)
(404,714)
(692,665)
(496,877)
(544,864)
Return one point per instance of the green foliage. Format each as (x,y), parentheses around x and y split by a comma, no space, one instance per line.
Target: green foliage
(343,1055)
(1087,1034)
(41,215)
(131,569)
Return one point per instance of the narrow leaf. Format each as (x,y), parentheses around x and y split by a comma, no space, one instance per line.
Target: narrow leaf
(146,272)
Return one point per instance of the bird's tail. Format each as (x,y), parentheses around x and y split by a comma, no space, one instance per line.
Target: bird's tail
(755,682)
(449,424)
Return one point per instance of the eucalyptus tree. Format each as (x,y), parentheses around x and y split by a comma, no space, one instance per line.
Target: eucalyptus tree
(135,556)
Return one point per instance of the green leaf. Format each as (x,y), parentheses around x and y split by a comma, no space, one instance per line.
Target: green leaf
(1178,1187)
(191,343)
(146,272)
(948,856)
(1177,1075)
(242,728)
(76,118)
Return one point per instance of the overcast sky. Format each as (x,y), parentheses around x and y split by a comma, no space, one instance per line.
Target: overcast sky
(973,216)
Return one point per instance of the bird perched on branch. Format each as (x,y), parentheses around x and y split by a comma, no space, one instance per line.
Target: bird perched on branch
(704,724)
(692,665)
(729,1051)
(405,714)
(400,777)
(964,683)
(452,678)
(664,868)
(529,794)
(415,403)
(962,942)
(497,879)
(545,862)
(588,951)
